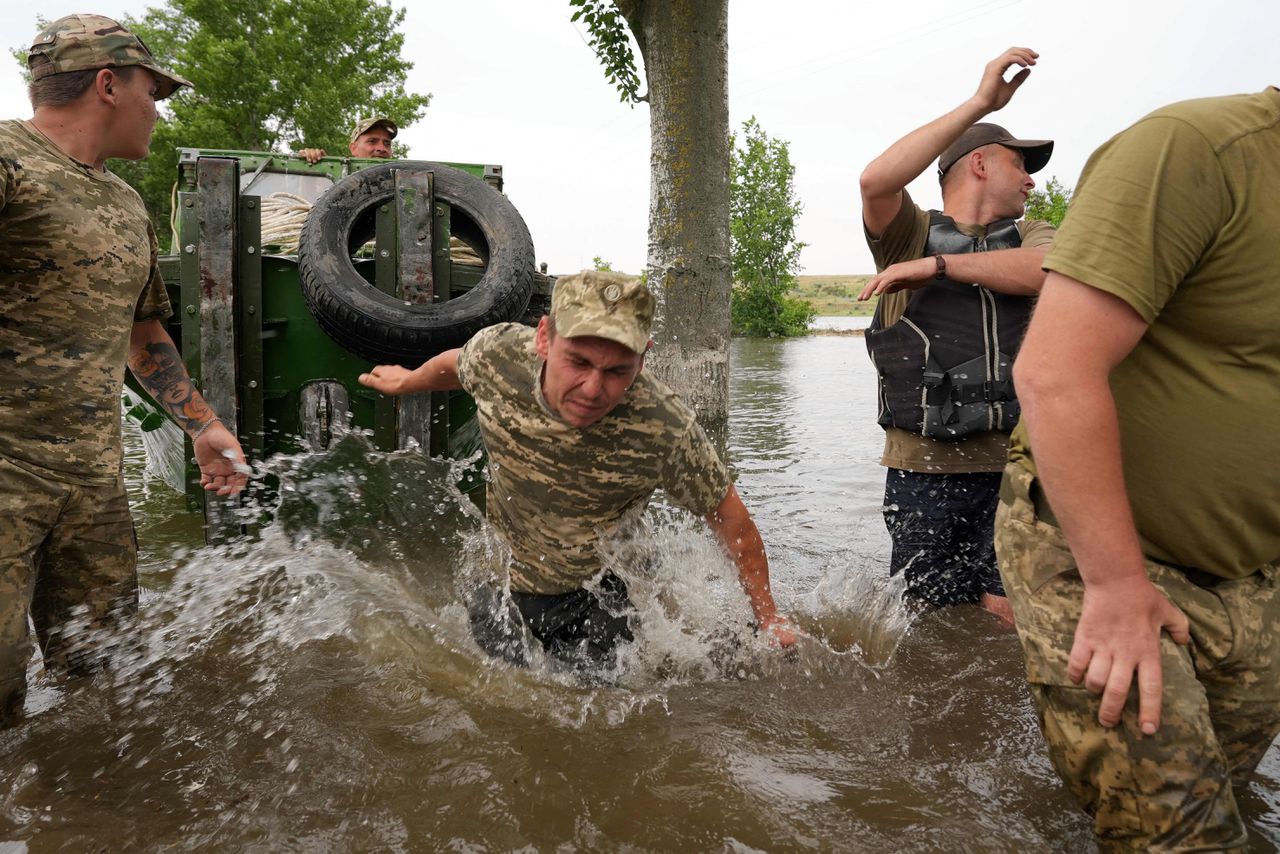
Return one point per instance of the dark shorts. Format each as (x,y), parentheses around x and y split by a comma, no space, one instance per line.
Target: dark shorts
(942,527)
(582,627)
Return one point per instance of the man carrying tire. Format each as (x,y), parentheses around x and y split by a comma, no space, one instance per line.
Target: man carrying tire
(956,289)
(80,293)
(369,138)
(579,437)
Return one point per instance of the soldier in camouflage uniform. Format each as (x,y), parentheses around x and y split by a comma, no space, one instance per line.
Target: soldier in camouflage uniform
(80,294)
(370,137)
(1139,525)
(578,438)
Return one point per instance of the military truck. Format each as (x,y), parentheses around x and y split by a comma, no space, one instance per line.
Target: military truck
(288,280)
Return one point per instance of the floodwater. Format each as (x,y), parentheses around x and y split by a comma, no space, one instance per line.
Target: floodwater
(318,690)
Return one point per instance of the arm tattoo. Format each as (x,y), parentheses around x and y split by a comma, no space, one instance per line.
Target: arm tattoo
(160,370)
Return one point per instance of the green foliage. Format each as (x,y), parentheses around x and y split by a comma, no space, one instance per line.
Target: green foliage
(764,252)
(270,75)
(603,266)
(1049,204)
(612,44)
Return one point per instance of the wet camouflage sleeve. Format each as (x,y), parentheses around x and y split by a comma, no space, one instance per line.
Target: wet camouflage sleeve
(77,256)
(694,476)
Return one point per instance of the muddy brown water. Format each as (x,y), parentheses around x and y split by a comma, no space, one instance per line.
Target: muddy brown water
(317,689)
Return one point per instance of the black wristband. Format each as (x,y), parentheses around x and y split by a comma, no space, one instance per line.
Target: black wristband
(942,267)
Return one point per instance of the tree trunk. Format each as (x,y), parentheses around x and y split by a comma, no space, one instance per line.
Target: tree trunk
(685,48)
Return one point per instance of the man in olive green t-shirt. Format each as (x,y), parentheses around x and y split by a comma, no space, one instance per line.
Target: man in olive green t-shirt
(1139,527)
(956,288)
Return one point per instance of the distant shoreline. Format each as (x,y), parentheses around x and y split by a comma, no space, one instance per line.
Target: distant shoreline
(835,296)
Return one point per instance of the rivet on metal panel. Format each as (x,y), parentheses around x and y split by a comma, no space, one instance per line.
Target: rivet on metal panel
(251,250)
(252,205)
(191,310)
(190,249)
(385,254)
(253,383)
(190,203)
(384,208)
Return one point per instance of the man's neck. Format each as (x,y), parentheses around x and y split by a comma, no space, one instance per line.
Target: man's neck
(969,207)
(76,137)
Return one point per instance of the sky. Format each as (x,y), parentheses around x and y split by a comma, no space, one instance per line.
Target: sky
(514,83)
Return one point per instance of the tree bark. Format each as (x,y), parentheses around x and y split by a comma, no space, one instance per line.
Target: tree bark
(685,48)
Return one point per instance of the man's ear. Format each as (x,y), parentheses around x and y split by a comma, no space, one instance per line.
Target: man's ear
(542,337)
(104,85)
(978,162)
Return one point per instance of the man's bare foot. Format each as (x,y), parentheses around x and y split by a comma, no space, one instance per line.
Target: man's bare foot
(998,605)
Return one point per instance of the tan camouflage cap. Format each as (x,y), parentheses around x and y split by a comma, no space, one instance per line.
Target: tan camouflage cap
(82,42)
(604,305)
(365,125)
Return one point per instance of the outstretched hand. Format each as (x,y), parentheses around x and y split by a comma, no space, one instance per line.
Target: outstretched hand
(221,460)
(897,277)
(1118,635)
(994,91)
(388,379)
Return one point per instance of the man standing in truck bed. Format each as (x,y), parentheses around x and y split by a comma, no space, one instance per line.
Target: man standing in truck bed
(369,138)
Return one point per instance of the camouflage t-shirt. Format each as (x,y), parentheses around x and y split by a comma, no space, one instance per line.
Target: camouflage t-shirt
(555,490)
(78,265)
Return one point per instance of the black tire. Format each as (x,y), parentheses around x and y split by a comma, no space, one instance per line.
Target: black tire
(381,328)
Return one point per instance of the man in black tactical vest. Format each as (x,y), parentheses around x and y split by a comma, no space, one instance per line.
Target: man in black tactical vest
(956,288)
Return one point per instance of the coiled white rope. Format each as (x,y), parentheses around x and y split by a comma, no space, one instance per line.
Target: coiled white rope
(284,213)
(282,217)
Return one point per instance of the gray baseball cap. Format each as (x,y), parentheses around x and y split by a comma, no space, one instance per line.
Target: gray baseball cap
(1035,152)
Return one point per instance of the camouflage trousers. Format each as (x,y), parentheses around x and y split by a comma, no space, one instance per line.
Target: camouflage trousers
(67,557)
(1221,704)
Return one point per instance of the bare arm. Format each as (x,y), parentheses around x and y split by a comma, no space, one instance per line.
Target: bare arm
(439,373)
(155,363)
(736,531)
(1007,271)
(885,177)
(1075,436)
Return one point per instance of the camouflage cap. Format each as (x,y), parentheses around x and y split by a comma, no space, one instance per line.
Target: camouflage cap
(365,125)
(604,305)
(83,42)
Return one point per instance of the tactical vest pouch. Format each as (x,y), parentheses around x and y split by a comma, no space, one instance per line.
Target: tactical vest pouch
(961,402)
